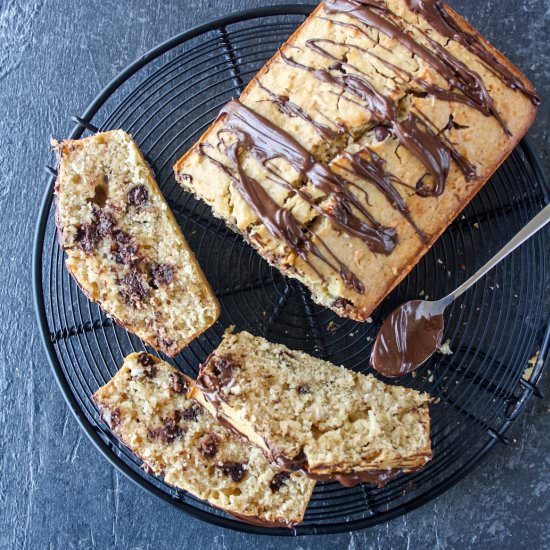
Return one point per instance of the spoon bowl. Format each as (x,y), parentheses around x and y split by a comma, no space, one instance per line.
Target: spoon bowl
(408,337)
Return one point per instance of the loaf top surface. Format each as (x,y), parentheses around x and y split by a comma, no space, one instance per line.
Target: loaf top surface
(147,406)
(123,245)
(308,413)
(358,143)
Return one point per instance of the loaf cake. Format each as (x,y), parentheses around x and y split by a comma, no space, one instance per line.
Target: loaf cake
(123,245)
(148,407)
(308,414)
(359,142)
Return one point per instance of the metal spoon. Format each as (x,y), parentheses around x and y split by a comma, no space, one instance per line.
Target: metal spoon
(413,332)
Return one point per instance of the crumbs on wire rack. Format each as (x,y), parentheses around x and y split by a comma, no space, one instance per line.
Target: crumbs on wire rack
(445,348)
(529,370)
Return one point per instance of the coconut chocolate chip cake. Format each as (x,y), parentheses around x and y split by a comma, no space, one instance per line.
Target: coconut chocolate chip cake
(123,245)
(359,142)
(308,414)
(148,407)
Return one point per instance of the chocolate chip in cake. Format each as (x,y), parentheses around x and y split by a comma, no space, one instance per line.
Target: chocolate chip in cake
(111,417)
(381,132)
(86,237)
(138,195)
(149,364)
(279,480)
(219,375)
(179,384)
(296,463)
(341,304)
(151,371)
(132,288)
(303,389)
(209,446)
(223,369)
(187,177)
(170,429)
(165,343)
(123,247)
(163,274)
(145,359)
(192,412)
(235,470)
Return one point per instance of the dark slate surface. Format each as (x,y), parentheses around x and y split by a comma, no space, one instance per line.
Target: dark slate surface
(56,491)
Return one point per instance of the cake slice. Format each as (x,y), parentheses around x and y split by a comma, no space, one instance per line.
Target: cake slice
(359,142)
(147,405)
(123,245)
(308,414)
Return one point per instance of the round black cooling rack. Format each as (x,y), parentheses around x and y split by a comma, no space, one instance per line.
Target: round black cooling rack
(166,100)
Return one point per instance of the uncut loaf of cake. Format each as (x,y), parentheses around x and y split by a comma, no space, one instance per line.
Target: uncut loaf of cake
(147,405)
(358,143)
(124,246)
(308,414)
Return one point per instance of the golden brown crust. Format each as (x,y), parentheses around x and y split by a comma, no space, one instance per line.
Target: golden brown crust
(529,119)
(516,110)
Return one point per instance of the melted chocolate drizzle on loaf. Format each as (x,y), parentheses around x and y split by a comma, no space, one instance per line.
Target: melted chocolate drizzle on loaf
(435,13)
(373,170)
(292,109)
(454,71)
(265,141)
(430,148)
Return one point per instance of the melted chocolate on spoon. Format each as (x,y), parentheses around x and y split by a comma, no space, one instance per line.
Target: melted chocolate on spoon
(407,338)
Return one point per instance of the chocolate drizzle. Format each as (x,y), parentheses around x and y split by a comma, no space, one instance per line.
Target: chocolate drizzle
(447,65)
(292,109)
(263,140)
(440,19)
(266,142)
(382,107)
(431,149)
(373,170)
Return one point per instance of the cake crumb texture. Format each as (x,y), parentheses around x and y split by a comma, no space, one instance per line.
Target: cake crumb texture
(308,413)
(124,246)
(148,407)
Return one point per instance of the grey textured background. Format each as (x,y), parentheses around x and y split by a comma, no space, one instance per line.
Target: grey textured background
(56,491)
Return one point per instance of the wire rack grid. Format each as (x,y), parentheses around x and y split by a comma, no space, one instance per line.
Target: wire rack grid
(166,100)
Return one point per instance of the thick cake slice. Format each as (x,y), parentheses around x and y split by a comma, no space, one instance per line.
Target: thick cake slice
(147,406)
(359,142)
(123,245)
(309,414)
